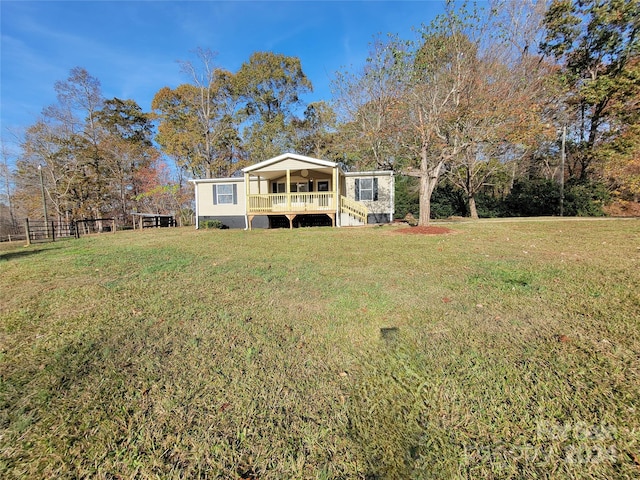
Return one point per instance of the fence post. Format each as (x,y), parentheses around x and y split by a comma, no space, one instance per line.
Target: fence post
(113,229)
(27,232)
(53,231)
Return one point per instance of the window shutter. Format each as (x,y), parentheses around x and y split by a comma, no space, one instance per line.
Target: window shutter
(215,196)
(375,189)
(235,194)
(357,181)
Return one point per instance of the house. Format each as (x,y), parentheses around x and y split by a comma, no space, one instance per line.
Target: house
(294,190)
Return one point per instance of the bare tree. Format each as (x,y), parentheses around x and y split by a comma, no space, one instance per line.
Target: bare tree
(6,189)
(366,102)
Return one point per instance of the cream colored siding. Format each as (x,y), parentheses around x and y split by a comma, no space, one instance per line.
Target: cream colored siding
(385,202)
(206,205)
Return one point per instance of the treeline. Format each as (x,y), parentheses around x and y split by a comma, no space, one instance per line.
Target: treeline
(521,108)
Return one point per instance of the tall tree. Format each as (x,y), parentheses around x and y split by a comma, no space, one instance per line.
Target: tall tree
(197,126)
(70,135)
(620,151)
(88,150)
(315,132)
(367,105)
(595,42)
(127,150)
(500,115)
(270,86)
(7,215)
(438,70)
(48,146)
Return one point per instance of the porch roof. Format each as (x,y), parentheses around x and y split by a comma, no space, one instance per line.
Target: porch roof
(313,163)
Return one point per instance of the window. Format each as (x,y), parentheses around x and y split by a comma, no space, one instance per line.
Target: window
(300,187)
(225,194)
(366,189)
(293,187)
(323,186)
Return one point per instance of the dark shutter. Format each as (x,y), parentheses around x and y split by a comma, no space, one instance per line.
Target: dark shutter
(357,180)
(215,196)
(235,194)
(375,189)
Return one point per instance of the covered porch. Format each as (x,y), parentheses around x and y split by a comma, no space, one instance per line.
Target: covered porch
(292,185)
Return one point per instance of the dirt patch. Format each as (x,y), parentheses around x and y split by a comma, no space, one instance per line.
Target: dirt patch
(425,230)
(622,208)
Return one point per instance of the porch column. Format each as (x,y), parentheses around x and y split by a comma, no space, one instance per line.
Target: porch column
(247,190)
(336,194)
(195,186)
(288,189)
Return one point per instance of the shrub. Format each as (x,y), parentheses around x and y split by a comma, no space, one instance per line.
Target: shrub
(489,206)
(208,224)
(585,199)
(406,196)
(447,201)
(531,198)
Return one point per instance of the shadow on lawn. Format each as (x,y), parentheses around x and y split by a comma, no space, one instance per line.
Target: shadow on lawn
(17,254)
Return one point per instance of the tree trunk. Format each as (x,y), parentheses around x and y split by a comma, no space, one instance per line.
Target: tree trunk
(425,201)
(428,182)
(472,207)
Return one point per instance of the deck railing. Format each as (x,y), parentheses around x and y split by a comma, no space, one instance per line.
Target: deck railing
(305,202)
(292,202)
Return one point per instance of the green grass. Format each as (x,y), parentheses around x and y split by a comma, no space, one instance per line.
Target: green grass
(177,353)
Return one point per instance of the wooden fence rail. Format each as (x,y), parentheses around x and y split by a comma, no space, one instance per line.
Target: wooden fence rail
(50,231)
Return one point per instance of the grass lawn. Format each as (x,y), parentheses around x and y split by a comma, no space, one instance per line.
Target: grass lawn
(176,353)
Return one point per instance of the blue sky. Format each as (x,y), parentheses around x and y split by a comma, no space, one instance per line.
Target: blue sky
(133,47)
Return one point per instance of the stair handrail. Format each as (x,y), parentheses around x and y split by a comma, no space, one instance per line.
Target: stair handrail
(356,209)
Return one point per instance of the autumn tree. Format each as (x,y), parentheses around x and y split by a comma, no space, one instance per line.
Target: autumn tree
(88,149)
(64,142)
(499,116)
(366,101)
(127,150)
(270,86)
(315,131)
(620,150)
(596,43)
(197,127)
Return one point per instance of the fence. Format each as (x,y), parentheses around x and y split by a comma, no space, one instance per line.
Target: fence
(10,232)
(41,231)
(95,225)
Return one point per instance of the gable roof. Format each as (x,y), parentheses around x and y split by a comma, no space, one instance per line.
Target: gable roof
(294,156)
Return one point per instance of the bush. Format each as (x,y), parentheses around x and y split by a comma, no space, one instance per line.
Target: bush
(407,198)
(447,201)
(585,199)
(208,224)
(532,198)
(490,206)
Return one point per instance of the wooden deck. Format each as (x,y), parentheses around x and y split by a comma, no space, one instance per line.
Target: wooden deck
(305,203)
